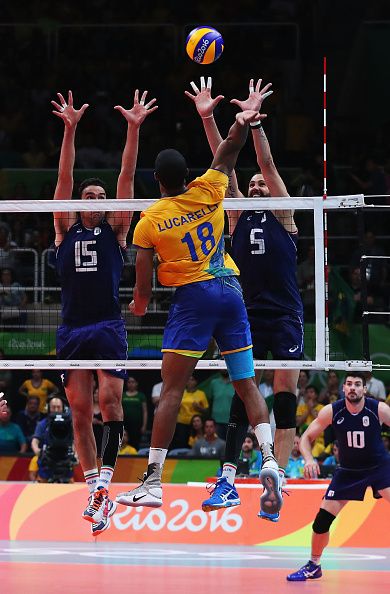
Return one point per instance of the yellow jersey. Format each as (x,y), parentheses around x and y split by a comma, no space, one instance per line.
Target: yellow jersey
(186,232)
(187,409)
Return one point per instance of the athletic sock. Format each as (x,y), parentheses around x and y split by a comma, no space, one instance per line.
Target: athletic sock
(111,442)
(263,433)
(105,477)
(316,559)
(229,472)
(91,478)
(157,456)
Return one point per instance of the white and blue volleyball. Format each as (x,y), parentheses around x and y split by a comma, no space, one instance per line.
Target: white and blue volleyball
(204,45)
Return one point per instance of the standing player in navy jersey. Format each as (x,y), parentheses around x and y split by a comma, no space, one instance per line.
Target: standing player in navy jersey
(264,247)
(364,461)
(90,251)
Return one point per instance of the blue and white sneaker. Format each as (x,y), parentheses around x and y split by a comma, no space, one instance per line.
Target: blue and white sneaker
(109,510)
(271,500)
(223,494)
(310,571)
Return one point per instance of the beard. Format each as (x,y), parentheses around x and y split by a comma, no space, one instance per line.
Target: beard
(354,398)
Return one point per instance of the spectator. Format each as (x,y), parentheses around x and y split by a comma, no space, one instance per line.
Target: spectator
(135,412)
(386,441)
(97,422)
(196,430)
(156,392)
(303,381)
(61,465)
(331,392)
(375,387)
(296,463)
(250,459)
(306,413)
(12,440)
(28,418)
(333,460)
(40,387)
(12,300)
(7,259)
(126,449)
(193,401)
(210,446)
(5,376)
(220,397)
(267,390)
(306,282)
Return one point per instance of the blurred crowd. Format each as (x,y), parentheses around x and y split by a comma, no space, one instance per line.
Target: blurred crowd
(37,407)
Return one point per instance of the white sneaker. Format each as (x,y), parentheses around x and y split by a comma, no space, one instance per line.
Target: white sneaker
(148,494)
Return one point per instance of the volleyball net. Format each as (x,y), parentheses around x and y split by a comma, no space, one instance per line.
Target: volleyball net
(30,293)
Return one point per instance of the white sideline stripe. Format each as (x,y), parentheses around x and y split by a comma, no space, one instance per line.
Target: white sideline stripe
(315,487)
(156,364)
(277,203)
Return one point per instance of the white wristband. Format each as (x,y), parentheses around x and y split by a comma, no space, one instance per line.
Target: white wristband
(256,124)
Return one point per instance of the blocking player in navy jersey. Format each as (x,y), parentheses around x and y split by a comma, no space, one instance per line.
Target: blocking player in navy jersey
(89,260)
(364,461)
(264,249)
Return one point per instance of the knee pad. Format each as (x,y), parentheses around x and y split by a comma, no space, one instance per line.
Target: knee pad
(323,521)
(238,414)
(285,408)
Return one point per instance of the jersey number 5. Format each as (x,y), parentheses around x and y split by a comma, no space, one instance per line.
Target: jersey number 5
(206,238)
(258,241)
(85,259)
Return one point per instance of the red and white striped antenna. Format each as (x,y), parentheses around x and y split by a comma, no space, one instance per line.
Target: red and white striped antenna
(325,195)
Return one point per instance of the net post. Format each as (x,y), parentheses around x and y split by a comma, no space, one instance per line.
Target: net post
(364,294)
(319,254)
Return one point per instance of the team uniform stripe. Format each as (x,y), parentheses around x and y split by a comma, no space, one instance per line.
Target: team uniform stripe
(196,354)
(237,350)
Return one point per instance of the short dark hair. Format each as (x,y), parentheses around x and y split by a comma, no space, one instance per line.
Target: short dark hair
(171,169)
(252,437)
(91,181)
(359,374)
(210,419)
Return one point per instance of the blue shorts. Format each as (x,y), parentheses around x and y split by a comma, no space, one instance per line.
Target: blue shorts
(212,308)
(351,485)
(278,334)
(103,340)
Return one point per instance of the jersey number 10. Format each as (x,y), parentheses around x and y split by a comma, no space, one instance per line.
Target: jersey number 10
(355,439)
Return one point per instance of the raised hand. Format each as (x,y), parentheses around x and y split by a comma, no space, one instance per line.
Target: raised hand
(256,96)
(67,112)
(204,103)
(248,116)
(139,111)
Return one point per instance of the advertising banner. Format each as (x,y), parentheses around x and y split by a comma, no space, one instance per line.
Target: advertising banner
(30,512)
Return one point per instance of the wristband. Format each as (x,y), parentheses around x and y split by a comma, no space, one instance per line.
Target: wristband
(208,117)
(255,125)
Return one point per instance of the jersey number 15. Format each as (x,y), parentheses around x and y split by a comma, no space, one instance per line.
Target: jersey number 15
(85,258)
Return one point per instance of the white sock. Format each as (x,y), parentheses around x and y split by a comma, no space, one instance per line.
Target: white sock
(157,456)
(263,433)
(91,478)
(316,559)
(105,477)
(229,472)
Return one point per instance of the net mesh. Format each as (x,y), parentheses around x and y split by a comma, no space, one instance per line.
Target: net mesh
(30,291)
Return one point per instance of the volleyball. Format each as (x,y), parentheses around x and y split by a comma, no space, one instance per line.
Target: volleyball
(204,45)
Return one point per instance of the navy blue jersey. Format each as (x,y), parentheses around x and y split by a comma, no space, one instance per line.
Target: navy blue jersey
(359,436)
(266,255)
(89,264)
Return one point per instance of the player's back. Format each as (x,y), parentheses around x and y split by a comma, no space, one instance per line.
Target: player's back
(186,232)
(266,255)
(89,263)
(358,435)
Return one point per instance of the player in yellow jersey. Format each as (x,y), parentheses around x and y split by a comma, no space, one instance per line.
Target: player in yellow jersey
(185,229)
